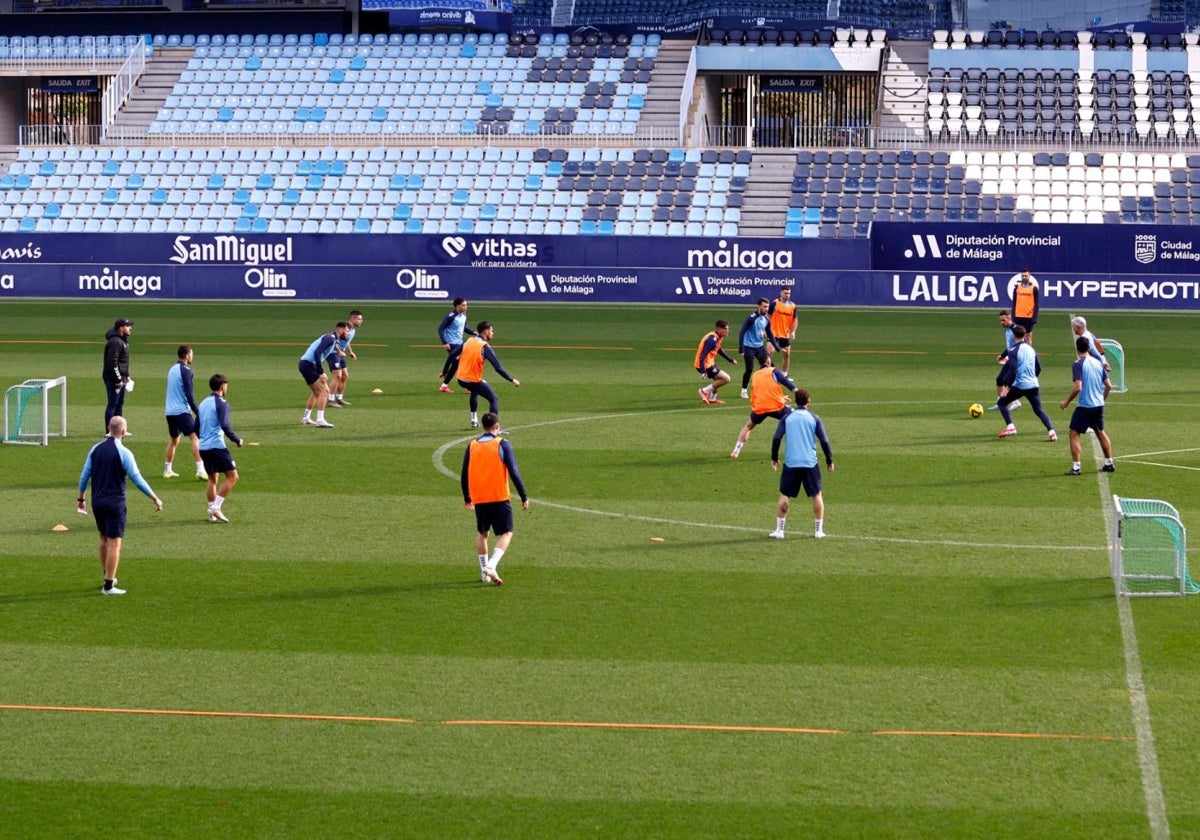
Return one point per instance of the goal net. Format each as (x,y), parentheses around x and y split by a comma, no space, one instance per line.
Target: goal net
(1149,549)
(1114,354)
(34,413)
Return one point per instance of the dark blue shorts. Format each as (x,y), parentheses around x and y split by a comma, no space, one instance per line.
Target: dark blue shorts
(311,371)
(712,372)
(795,478)
(217,461)
(756,418)
(337,362)
(1087,418)
(180,424)
(761,354)
(496,517)
(110,521)
(783,342)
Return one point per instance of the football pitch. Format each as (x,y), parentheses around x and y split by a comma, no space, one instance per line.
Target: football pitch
(950,661)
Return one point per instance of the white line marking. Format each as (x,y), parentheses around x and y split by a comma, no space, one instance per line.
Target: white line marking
(1161,452)
(440,465)
(1156,464)
(1152,790)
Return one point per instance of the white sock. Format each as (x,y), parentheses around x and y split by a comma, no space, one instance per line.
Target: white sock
(780,523)
(167,465)
(307,413)
(737,447)
(320,416)
(497,553)
(482,560)
(220,501)
(199,466)
(1107,462)
(819,524)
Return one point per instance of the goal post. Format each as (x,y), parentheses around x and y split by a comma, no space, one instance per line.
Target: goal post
(32,415)
(1149,549)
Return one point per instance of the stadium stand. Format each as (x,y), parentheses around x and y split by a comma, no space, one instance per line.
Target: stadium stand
(546,130)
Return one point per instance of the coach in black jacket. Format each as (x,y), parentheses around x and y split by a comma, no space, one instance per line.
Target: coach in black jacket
(116,367)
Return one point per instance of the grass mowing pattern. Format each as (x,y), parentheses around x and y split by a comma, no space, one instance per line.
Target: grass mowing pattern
(963,589)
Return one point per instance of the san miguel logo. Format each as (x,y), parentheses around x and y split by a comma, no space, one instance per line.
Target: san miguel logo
(1145,248)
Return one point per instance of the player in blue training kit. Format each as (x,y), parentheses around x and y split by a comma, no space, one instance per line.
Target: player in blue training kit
(314,374)
(107,465)
(754,339)
(1006,322)
(1089,382)
(339,357)
(1020,375)
(800,431)
(181,412)
(451,331)
(214,427)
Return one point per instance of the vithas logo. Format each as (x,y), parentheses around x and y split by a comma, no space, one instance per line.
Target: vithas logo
(691,286)
(454,245)
(534,283)
(924,245)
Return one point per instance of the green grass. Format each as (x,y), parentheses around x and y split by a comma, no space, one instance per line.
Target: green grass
(357,680)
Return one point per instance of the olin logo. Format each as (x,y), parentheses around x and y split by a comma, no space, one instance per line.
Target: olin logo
(534,283)
(691,286)
(272,282)
(421,283)
(454,246)
(920,241)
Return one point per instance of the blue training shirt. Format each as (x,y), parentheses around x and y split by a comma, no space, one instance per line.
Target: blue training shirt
(180,396)
(319,349)
(341,343)
(214,423)
(106,466)
(1091,375)
(1023,367)
(755,332)
(453,327)
(802,430)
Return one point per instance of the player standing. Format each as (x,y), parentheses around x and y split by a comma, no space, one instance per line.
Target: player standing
(313,372)
(487,465)
(753,341)
(214,427)
(475,351)
(783,323)
(339,362)
(803,430)
(181,412)
(450,333)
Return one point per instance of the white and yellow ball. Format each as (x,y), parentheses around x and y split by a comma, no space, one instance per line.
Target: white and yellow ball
(975,411)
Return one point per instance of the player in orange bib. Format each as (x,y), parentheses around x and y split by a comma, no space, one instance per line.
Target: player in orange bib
(767,399)
(706,363)
(475,351)
(487,465)
(783,323)
(1025,302)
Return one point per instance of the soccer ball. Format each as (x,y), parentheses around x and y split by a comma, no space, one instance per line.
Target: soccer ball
(975,410)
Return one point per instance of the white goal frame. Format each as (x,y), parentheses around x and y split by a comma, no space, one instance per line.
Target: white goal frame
(12,430)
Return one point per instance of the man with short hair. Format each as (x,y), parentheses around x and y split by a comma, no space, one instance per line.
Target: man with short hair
(450,333)
(1089,382)
(116,368)
(214,427)
(802,431)
(753,340)
(106,466)
(1025,302)
(706,363)
(1006,323)
(314,374)
(487,465)
(1020,376)
(767,399)
(181,412)
(783,323)
(1095,349)
(475,351)
(339,371)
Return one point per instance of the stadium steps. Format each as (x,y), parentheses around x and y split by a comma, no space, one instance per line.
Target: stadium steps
(661,109)
(153,86)
(768,189)
(902,101)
